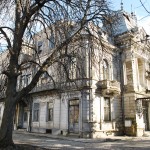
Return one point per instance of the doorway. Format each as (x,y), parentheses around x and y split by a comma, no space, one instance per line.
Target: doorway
(25,119)
(145,115)
(73,116)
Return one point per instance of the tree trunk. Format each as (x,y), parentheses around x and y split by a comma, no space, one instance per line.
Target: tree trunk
(7,123)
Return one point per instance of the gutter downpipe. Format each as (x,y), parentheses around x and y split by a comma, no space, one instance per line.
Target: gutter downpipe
(90,90)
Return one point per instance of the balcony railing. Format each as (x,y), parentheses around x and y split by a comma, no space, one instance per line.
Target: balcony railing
(108,87)
(44,87)
(68,85)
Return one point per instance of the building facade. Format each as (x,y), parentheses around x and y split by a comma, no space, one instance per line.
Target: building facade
(108,88)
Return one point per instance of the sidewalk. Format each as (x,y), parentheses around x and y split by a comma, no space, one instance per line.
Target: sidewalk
(85,140)
(60,142)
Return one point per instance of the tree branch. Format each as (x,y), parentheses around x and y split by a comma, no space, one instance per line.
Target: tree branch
(6,37)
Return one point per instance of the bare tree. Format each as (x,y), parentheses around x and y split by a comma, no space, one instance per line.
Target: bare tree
(144,6)
(26,18)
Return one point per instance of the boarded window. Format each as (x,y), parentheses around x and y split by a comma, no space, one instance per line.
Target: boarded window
(36,112)
(50,111)
(107,115)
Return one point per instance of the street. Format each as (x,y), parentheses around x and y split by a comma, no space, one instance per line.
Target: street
(66,143)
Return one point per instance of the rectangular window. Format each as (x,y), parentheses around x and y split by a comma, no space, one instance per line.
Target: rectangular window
(36,112)
(39,46)
(28,79)
(0,114)
(25,80)
(50,111)
(51,42)
(72,68)
(107,114)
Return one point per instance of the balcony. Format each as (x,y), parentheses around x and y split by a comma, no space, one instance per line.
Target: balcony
(44,87)
(69,85)
(108,88)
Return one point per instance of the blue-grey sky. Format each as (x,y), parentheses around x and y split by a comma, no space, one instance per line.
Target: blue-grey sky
(142,16)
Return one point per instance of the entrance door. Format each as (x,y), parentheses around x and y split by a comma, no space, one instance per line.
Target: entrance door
(145,115)
(74,116)
(25,119)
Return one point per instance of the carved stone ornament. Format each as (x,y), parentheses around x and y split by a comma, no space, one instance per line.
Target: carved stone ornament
(139,108)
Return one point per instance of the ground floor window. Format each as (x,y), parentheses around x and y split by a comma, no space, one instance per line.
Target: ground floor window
(50,111)
(36,112)
(107,114)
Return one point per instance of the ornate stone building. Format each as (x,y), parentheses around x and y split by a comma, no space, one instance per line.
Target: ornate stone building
(108,93)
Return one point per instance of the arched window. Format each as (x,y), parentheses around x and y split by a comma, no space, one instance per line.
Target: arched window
(105,70)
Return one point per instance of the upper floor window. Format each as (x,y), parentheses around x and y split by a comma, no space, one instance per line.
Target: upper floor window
(39,46)
(72,68)
(51,42)
(105,70)
(25,80)
(0,114)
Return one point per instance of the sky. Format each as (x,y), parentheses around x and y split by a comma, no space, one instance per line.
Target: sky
(135,6)
(142,16)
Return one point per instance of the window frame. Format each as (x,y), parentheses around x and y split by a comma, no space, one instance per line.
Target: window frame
(50,111)
(0,113)
(72,69)
(36,110)
(107,109)
(39,46)
(51,43)
(105,70)
(25,79)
